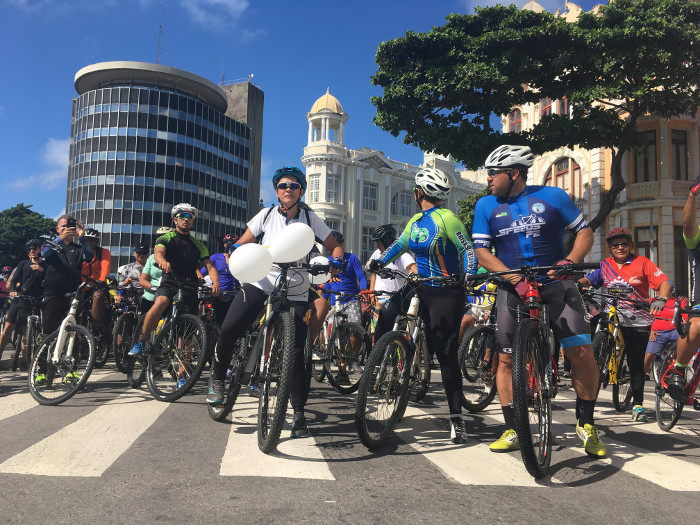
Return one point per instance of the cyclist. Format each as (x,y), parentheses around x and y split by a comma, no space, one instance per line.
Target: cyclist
(290,185)
(687,346)
(663,331)
(351,281)
(227,282)
(478,307)
(383,237)
(438,238)
(625,270)
(150,276)
(525,224)
(98,269)
(26,280)
(128,274)
(179,255)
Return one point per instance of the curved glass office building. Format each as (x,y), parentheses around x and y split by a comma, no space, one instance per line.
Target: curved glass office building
(145,137)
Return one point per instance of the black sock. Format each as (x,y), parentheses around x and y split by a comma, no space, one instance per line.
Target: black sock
(508,416)
(585,409)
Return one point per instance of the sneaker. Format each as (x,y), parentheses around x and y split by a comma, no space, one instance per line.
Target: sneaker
(71,377)
(254,391)
(506,443)
(216,393)
(40,380)
(181,383)
(137,349)
(457,430)
(638,414)
(591,443)
(675,379)
(299,428)
(342,378)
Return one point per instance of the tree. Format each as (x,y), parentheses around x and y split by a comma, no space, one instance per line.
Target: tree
(17,226)
(466,208)
(632,58)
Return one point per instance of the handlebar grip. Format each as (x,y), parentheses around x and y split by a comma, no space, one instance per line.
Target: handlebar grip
(583,266)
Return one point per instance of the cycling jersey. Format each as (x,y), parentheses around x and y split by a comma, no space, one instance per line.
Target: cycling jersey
(438,238)
(152,269)
(131,271)
(527,229)
(693,246)
(227,282)
(184,253)
(349,279)
(98,267)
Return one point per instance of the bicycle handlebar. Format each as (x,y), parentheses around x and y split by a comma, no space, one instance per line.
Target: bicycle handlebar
(531,271)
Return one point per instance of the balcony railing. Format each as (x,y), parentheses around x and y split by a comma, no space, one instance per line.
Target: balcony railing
(643,190)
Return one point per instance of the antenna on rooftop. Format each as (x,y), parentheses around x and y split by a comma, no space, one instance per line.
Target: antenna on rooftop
(160,32)
(223,70)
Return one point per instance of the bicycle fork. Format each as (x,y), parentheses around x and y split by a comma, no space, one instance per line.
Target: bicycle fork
(63,335)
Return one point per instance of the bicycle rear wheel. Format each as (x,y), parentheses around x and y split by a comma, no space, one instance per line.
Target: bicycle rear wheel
(176,362)
(383,391)
(622,390)
(232,383)
(53,383)
(136,366)
(668,410)
(17,359)
(275,380)
(123,340)
(344,356)
(603,344)
(476,361)
(532,404)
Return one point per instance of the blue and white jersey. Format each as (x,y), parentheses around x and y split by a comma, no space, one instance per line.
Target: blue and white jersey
(527,229)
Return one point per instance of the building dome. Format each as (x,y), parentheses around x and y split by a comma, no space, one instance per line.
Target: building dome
(328,102)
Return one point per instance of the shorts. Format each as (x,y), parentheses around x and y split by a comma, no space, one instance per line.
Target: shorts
(353,310)
(566,314)
(663,337)
(20,309)
(479,313)
(190,301)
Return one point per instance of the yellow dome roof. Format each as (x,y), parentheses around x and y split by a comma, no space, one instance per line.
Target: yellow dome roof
(327,101)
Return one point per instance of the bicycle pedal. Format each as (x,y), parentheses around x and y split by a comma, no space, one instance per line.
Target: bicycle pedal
(696,404)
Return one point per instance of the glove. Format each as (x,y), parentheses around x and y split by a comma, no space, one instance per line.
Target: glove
(337,264)
(521,289)
(695,188)
(658,303)
(374,265)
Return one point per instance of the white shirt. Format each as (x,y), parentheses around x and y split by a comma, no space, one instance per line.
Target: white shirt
(401,264)
(298,279)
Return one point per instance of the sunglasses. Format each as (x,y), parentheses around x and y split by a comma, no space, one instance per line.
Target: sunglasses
(32,248)
(494,172)
(184,215)
(288,185)
(624,244)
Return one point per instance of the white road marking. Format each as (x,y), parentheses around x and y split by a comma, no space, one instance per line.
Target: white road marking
(294,458)
(90,445)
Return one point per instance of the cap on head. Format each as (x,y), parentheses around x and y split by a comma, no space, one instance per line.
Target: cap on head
(141,248)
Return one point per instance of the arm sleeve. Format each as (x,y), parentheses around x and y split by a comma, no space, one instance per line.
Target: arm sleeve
(457,233)
(400,245)
(256,223)
(596,278)
(357,267)
(320,228)
(105,265)
(654,274)
(571,216)
(203,251)
(13,278)
(481,230)
(692,242)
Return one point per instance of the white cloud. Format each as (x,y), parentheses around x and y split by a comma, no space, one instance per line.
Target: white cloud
(215,14)
(54,157)
(27,5)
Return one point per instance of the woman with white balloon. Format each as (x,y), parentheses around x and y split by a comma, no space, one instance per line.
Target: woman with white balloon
(253,265)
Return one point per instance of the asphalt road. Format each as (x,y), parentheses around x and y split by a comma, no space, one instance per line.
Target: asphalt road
(113,455)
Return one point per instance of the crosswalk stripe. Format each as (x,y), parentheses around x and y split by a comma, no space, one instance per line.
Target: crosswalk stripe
(294,458)
(90,445)
(17,403)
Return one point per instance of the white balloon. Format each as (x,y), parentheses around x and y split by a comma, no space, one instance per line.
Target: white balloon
(322,277)
(250,263)
(292,243)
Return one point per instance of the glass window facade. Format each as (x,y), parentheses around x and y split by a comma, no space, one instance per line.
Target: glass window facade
(136,151)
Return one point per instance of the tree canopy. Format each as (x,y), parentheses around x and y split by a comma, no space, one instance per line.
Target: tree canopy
(631,59)
(18,225)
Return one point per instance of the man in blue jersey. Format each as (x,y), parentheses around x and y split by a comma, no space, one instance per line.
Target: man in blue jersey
(526,224)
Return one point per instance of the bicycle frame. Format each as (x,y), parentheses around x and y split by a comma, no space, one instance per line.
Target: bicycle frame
(69,320)
(616,356)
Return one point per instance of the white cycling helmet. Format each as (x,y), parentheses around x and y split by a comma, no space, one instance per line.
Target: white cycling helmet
(163,230)
(183,207)
(507,156)
(91,233)
(433,182)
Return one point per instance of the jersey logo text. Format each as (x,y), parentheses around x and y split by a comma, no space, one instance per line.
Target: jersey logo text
(530,226)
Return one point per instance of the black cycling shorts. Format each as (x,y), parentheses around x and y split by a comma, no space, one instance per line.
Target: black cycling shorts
(190,301)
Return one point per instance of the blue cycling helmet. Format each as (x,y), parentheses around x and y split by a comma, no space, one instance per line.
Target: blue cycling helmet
(289,171)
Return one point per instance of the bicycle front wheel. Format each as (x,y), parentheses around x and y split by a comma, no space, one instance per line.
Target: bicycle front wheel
(53,381)
(603,345)
(348,341)
(532,404)
(178,357)
(668,410)
(477,361)
(232,383)
(136,366)
(622,389)
(383,391)
(318,359)
(275,380)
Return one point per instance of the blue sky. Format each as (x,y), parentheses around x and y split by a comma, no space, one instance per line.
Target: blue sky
(294,49)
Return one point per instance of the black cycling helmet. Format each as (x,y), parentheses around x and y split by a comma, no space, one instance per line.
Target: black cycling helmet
(339,238)
(91,233)
(289,171)
(385,233)
(33,242)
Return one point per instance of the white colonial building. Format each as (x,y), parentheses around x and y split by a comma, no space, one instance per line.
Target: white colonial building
(356,190)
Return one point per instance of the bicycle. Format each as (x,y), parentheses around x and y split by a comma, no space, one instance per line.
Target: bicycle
(668,410)
(125,328)
(264,355)
(341,346)
(534,369)
(394,368)
(24,336)
(609,349)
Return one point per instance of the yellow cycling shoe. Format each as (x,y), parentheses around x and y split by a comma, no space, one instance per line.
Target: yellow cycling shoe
(506,443)
(591,442)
